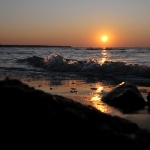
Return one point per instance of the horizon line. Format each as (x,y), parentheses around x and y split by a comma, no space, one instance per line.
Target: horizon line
(34,45)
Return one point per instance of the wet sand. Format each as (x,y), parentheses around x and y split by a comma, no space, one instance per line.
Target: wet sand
(90,94)
(87,93)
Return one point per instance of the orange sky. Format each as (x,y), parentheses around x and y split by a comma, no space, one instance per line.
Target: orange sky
(76,23)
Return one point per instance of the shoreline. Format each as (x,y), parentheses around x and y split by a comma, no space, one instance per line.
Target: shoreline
(87,93)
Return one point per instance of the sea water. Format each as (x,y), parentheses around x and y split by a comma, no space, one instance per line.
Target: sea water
(118,63)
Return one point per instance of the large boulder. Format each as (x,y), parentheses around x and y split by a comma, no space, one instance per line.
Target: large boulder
(125,97)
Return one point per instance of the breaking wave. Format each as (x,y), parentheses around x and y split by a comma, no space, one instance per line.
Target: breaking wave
(56,62)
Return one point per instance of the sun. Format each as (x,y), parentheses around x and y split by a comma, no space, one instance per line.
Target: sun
(104,38)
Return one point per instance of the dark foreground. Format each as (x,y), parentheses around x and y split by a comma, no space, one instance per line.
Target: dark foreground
(35,119)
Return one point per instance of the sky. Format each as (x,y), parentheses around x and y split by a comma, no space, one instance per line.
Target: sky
(76,23)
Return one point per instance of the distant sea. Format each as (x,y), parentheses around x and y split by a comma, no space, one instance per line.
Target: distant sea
(115,64)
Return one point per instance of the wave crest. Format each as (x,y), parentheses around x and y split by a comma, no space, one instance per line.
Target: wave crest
(56,62)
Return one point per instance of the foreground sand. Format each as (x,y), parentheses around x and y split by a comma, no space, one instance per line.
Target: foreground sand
(87,93)
(90,94)
(34,118)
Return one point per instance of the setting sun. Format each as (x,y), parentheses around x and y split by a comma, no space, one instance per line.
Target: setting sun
(104,38)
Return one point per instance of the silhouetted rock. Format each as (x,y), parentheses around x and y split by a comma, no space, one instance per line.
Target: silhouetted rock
(125,97)
(36,119)
(148,98)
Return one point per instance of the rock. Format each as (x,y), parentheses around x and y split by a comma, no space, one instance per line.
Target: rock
(125,97)
(148,98)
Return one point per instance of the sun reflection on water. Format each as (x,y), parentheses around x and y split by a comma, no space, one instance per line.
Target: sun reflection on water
(95,98)
(104,55)
(96,101)
(100,89)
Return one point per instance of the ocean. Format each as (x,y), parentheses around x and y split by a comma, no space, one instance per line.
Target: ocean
(85,73)
(111,63)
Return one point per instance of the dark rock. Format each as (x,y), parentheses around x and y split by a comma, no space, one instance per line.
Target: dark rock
(125,97)
(35,119)
(148,98)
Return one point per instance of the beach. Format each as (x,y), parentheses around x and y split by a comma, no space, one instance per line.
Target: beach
(32,117)
(86,92)
(75,75)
